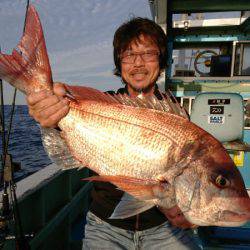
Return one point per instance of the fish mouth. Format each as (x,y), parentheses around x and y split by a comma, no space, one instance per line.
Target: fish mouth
(231,218)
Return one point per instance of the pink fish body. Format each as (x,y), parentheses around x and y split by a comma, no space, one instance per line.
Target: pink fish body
(159,158)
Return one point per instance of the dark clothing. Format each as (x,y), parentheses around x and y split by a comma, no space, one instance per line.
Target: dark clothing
(106,196)
(124,91)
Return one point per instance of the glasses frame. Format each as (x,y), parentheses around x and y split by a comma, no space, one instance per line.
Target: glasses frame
(142,55)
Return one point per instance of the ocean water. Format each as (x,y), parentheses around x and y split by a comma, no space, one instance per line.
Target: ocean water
(25,143)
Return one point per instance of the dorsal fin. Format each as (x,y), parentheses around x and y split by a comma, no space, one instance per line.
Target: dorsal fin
(81,93)
(168,103)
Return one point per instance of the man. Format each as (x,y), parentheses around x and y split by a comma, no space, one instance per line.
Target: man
(140,58)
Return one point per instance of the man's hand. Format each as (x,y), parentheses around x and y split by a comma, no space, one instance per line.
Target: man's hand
(176,218)
(48,107)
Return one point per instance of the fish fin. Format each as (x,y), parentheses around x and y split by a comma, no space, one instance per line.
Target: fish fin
(89,94)
(57,149)
(130,206)
(28,67)
(142,189)
(168,103)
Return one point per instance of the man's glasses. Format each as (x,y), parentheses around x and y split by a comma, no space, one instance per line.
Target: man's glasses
(147,56)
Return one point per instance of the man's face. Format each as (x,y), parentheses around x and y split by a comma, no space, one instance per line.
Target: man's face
(141,74)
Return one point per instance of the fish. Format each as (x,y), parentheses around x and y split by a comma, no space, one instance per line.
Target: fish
(146,147)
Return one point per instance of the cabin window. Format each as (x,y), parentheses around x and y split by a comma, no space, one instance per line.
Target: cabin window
(202,62)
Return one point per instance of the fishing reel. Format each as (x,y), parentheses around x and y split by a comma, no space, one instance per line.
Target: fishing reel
(6,212)
(9,214)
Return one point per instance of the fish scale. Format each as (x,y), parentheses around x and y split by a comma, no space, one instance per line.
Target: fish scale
(104,136)
(178,129)
(152,119)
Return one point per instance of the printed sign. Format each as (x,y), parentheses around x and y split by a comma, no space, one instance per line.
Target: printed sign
(218,101)
(216,110)
(216,119)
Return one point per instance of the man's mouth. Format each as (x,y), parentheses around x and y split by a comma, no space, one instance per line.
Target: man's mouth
(139,74)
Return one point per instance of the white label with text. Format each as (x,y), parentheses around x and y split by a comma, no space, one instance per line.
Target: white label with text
(216,119)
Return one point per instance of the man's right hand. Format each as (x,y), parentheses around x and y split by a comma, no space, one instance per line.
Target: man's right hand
(48,107)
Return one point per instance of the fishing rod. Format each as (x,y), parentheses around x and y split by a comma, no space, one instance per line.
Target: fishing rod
(5,212)
(8,181)
(10,210)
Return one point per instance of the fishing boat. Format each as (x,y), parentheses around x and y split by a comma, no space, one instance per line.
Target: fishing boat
(208,69)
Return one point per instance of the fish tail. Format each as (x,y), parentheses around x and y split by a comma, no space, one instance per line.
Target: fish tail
(28,68)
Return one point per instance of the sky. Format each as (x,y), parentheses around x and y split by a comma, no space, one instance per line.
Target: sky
(78,36)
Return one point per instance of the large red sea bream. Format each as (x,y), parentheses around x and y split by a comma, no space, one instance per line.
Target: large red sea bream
(157,157)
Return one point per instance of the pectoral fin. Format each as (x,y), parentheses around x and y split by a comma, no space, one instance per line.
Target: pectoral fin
(130,206)
(142,189)
(141,194)
(58,150)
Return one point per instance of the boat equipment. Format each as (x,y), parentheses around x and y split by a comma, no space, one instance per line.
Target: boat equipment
(9,215)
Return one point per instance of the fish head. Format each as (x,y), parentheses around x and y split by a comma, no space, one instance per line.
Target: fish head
(211,191)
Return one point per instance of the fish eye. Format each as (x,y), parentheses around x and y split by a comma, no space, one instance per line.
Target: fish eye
(221,181)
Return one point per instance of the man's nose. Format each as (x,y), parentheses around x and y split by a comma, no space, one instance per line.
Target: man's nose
(138,60)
